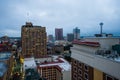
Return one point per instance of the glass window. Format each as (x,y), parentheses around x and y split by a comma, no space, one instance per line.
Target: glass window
(80,64)
(79,78)
(86,67)
(80,72)
(85,76)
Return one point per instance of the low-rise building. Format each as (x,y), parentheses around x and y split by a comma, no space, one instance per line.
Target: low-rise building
(57,69)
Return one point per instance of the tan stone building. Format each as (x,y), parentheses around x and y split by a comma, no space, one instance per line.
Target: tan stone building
(33,40)
(94,59)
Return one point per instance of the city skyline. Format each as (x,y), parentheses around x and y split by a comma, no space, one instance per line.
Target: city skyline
(60,14)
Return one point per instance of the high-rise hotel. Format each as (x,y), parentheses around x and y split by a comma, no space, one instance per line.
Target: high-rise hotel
(33,40)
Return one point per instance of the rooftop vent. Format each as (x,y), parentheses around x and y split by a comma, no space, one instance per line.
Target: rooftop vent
(29,24)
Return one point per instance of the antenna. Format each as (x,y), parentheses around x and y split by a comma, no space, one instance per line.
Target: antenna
(27,16)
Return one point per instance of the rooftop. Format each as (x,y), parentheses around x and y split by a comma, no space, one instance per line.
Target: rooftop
(60,62)
(107,47)
(3,68)
(31,74)
(5,55)
(109,54)
(87,43)
(29,63)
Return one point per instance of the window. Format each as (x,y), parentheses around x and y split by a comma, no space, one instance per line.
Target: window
(86,67)
(85,76)
(74,61)
(80,64)
(79,78)
(80,72)
(74,76)
(109,77)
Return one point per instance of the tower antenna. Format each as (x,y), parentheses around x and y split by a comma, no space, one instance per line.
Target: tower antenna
(101,25)
(28,16)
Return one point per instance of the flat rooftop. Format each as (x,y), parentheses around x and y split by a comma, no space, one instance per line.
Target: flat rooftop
(29,63)
(60,62)
(106,47)
(114,56)
(5,55)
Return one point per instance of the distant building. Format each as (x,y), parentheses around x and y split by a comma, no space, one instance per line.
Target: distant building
(103,35)
(4,39)
(5,45)
(70,37)
(76,33)
(58,49)
(58,34)
(94,59)
(33,40)
(50,38)
(54,49)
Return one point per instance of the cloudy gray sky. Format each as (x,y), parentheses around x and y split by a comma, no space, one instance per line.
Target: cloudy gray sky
(66,14)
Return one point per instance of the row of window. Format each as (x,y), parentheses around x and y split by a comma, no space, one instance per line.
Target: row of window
(80,70)
(80,65)
(77,77)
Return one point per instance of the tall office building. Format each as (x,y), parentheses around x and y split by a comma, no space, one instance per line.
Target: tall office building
(96,59)
(50,38)
(33,40)
(76,33)
(70,37)
(58,33)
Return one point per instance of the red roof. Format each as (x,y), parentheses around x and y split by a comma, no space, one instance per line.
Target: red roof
(1,45)
(55,66)
(87,43)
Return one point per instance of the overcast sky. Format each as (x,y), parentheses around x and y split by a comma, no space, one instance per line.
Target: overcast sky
(66,14)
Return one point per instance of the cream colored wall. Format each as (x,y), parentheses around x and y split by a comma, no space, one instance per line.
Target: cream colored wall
(66,75)
(58,75)
(87,49)
(98,75)
(106,43)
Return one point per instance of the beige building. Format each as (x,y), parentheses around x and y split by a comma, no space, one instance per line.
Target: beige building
(56,69)
(33,40)
(94,59)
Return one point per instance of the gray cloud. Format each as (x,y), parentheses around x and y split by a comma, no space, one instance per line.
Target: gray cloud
(67,14)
